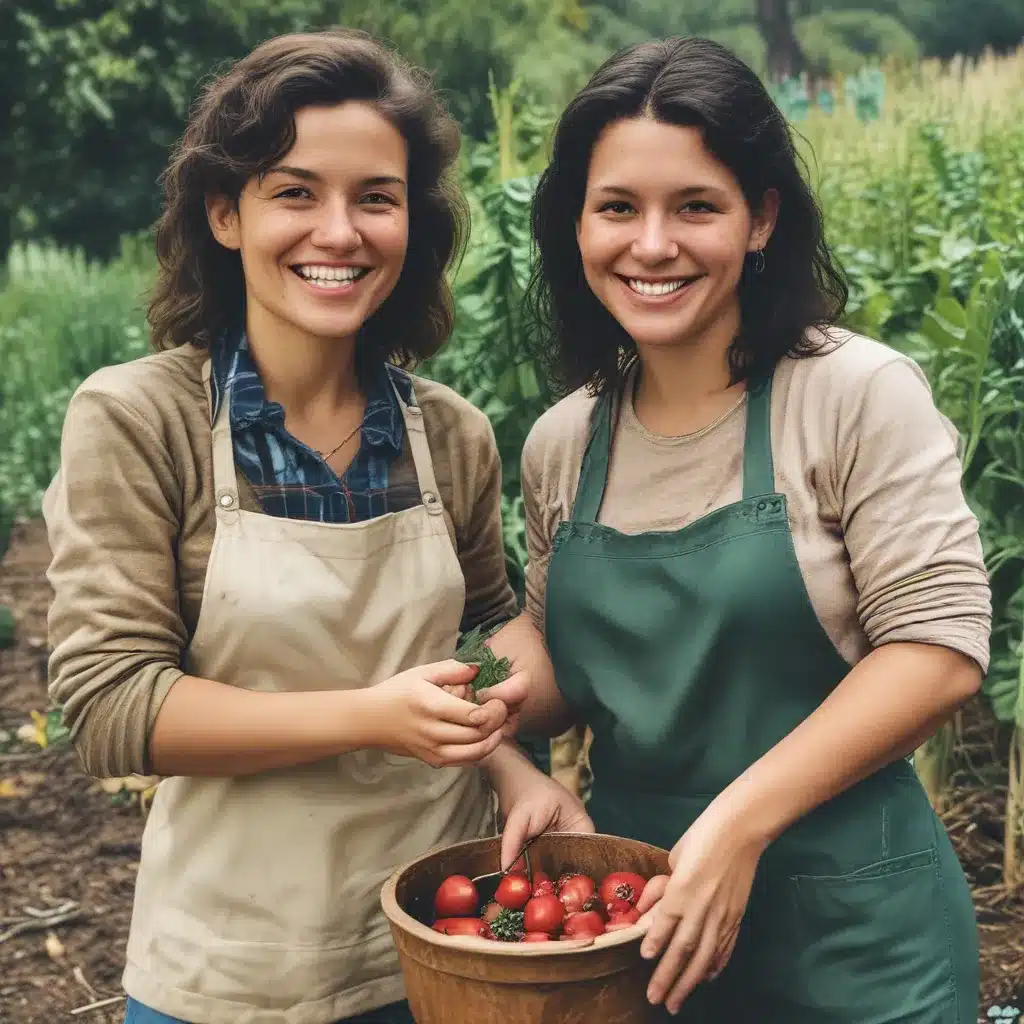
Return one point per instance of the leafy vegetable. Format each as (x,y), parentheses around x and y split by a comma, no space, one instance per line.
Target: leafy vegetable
(508,926)
(473,650)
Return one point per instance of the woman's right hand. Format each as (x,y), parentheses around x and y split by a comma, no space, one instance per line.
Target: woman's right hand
(420,713)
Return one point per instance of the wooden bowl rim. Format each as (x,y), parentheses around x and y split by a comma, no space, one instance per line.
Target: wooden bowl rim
(557,947)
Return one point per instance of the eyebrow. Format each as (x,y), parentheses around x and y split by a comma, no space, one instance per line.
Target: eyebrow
(306,175)
(690,190)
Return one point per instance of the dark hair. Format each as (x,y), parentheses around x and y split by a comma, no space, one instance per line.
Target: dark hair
(689,82)
(243,123)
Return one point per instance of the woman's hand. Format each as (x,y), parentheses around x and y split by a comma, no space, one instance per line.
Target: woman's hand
(539,708)
(694,916)
(421,713)
(531,802)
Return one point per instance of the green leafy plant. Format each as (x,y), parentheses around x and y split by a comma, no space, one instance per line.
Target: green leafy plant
(473,650)
(508,925)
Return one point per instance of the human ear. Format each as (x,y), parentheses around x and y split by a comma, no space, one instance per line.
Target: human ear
(222,216)
(764,220)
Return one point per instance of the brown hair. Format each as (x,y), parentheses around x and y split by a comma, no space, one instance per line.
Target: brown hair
(243,123)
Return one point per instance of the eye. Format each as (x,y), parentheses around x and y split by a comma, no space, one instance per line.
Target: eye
(293,192)
(379,199)
(616,206)
(698,206)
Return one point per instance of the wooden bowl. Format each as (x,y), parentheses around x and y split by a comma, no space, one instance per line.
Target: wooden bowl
(466,980)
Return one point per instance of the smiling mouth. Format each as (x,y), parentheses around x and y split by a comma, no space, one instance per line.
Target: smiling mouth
(656,289)
(330,277)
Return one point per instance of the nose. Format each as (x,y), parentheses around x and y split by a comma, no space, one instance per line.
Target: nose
(654,243)
(335,229)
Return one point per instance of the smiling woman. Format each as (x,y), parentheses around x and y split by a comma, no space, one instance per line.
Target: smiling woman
(267,538)
(750,554)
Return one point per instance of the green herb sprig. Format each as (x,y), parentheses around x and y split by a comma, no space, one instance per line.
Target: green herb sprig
(473,650)
(508,926)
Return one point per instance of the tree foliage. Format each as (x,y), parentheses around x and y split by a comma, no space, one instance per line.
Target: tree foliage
(96,91)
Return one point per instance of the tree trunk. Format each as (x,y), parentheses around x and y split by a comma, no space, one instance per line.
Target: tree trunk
(783,56)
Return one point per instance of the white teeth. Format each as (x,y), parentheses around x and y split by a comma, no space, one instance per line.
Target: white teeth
(331,277)
(656,287)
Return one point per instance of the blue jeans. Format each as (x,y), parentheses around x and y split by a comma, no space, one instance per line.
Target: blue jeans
(396,1013)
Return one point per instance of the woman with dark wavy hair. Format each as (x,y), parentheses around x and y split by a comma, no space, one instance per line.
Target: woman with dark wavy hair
(267,537)
(759,581)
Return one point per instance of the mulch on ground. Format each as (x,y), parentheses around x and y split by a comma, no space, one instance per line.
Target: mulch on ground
(69,851)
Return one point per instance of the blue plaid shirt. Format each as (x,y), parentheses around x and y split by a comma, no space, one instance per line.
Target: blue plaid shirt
(289,479)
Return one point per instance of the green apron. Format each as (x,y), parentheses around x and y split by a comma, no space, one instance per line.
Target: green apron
(691,653)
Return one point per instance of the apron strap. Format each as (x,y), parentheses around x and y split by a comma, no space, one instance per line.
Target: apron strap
(758,468)
(225,480)
(412,415)
(594,470)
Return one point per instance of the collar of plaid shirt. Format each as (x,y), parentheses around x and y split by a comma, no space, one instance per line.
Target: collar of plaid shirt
(288,477)
(234,369)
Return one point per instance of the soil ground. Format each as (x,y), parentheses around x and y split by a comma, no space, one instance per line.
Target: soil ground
(62,839)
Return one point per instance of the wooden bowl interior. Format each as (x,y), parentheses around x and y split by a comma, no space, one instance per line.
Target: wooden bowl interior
(552,853)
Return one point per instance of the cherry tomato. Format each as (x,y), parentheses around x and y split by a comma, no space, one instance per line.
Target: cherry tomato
(456,897)
(574,891)
(622,885)
(536,937)
(513,892)
(543,914)
(584,923)
(628,918)
(544,887)
(462,926)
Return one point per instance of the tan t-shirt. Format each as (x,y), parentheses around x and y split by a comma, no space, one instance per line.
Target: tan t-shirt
(131,521)
(887,545)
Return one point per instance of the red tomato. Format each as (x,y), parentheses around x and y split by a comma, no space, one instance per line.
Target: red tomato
(513,892)
(536,937)
(574,891)
(584,923)
(622,885)
(624,920)
(456,896)
(462,926)
(543,914)
(618,907)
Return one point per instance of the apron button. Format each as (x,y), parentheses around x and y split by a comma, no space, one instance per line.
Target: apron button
(226,500)
(762,505)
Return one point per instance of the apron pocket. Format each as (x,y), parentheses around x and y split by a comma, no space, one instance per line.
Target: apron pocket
(872,946)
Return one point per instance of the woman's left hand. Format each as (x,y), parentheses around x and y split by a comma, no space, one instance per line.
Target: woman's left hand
(694,916)
(537,803)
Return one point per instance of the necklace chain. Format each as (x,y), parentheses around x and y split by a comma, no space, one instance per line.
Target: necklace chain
(348,438)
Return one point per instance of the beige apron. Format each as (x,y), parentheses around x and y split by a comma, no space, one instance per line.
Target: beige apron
(257,899)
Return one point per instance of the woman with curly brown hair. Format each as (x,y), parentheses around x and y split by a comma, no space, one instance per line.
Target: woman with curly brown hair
(267,537)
